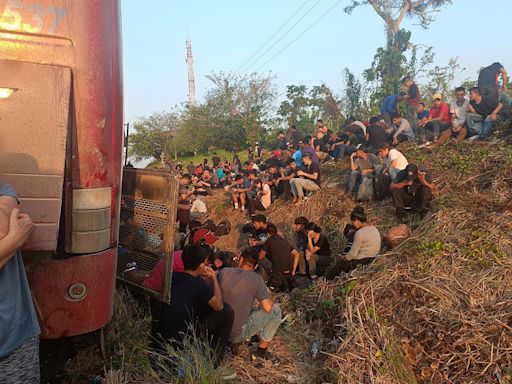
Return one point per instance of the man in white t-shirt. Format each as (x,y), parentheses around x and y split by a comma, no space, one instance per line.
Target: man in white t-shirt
(198,210)
(458,114)
(394,160)
(262,197)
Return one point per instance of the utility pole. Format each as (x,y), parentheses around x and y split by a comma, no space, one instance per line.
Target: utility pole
(126,142)
(189,59)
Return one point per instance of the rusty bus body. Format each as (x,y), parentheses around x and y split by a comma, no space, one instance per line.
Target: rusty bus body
(61,127)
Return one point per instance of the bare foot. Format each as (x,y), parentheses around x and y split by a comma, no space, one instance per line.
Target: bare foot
(298,202)
(294,200)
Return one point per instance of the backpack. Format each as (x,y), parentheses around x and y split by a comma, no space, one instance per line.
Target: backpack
(365,191)
(210,225)
(301,282)
(223,228)
(381,186)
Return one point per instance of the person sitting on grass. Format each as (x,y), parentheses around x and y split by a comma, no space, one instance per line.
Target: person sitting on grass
(300,241)
(278,261)
(365,247)
(394,161)
(362,164)
(482,115)
(403,131)
(438,118)
(318,251)
(283,182)
(198,210)
(458,114)
(194,304)
(308,179)
(261,198)
(241,287)
(412,188)
(240,186)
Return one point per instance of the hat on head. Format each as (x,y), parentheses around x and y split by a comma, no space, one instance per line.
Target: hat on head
(359,147)
(374,119)
(412,172)
(437,96)
(206,235)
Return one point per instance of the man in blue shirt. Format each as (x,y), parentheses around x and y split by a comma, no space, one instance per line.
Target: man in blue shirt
(19,329)
(390,106)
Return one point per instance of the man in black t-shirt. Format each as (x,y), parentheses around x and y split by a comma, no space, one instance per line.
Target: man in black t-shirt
(193,303)
(376,135)
(413,189)
(283,182)
(216,160)
(308,178)
(488,81)
(483,113)
(278,260)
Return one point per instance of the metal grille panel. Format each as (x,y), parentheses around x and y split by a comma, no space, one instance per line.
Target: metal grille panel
(146,231)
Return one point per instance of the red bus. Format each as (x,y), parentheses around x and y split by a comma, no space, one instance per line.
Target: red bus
(61,127)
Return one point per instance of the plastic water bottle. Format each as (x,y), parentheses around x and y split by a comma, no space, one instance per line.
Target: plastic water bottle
(315,350)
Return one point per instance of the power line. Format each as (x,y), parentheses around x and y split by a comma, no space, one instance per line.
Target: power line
(272,36)
(300,35)
(284,35)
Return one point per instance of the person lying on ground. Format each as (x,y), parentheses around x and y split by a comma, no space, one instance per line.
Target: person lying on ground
(458,114)
(403,130)
(438,119)
(261,198)
(318,251)
(482,114)
(278,261)
(365,247)
(239,188)
(412,189)
(240,288)
(394,160)
(194,304)
(362,164)
(308,179)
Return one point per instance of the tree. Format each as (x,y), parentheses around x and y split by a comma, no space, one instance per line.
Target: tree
(354,96)
(236,111)
(153,136)
(393,12)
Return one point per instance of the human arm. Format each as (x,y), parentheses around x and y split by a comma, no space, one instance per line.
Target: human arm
(216,303)
(311,176)
(422,177)
(356,246)
(401,184)
(15,228)
(494,114)
(353,165)
(504,75)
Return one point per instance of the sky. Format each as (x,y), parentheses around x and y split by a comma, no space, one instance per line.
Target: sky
(324,41)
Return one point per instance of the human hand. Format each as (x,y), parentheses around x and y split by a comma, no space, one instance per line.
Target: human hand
(300,173)
(208,272)
(493,116)
(308,255)
(20,227)
(422,177)
(353,155)
(408,183)
(395,141)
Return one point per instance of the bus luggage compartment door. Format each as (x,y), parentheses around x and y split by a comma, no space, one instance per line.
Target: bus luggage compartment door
(34,116)
(149,204)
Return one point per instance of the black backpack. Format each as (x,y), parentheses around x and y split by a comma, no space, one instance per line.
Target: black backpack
(223,228)
(381,186)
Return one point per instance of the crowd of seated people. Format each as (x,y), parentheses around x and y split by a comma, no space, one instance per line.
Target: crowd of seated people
(220,294)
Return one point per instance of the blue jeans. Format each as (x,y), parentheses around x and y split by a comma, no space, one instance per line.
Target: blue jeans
(480,126)
(260,321)
(342,150)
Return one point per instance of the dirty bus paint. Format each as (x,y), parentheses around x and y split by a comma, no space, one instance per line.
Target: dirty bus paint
(61,131)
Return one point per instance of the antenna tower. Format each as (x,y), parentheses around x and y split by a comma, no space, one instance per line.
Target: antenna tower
(189,58)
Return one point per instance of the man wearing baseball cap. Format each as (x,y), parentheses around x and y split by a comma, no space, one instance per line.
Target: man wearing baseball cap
(439,119)
(412,189)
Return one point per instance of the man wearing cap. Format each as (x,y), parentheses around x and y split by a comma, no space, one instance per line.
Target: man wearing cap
(362,164)
(412,189)
(308,179)
(438,119)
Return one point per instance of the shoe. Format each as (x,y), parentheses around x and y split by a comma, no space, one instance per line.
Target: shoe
(473,138)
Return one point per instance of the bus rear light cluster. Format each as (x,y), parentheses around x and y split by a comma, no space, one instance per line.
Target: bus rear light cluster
(91,220)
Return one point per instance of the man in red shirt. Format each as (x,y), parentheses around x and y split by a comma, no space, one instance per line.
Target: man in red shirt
(438,119)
